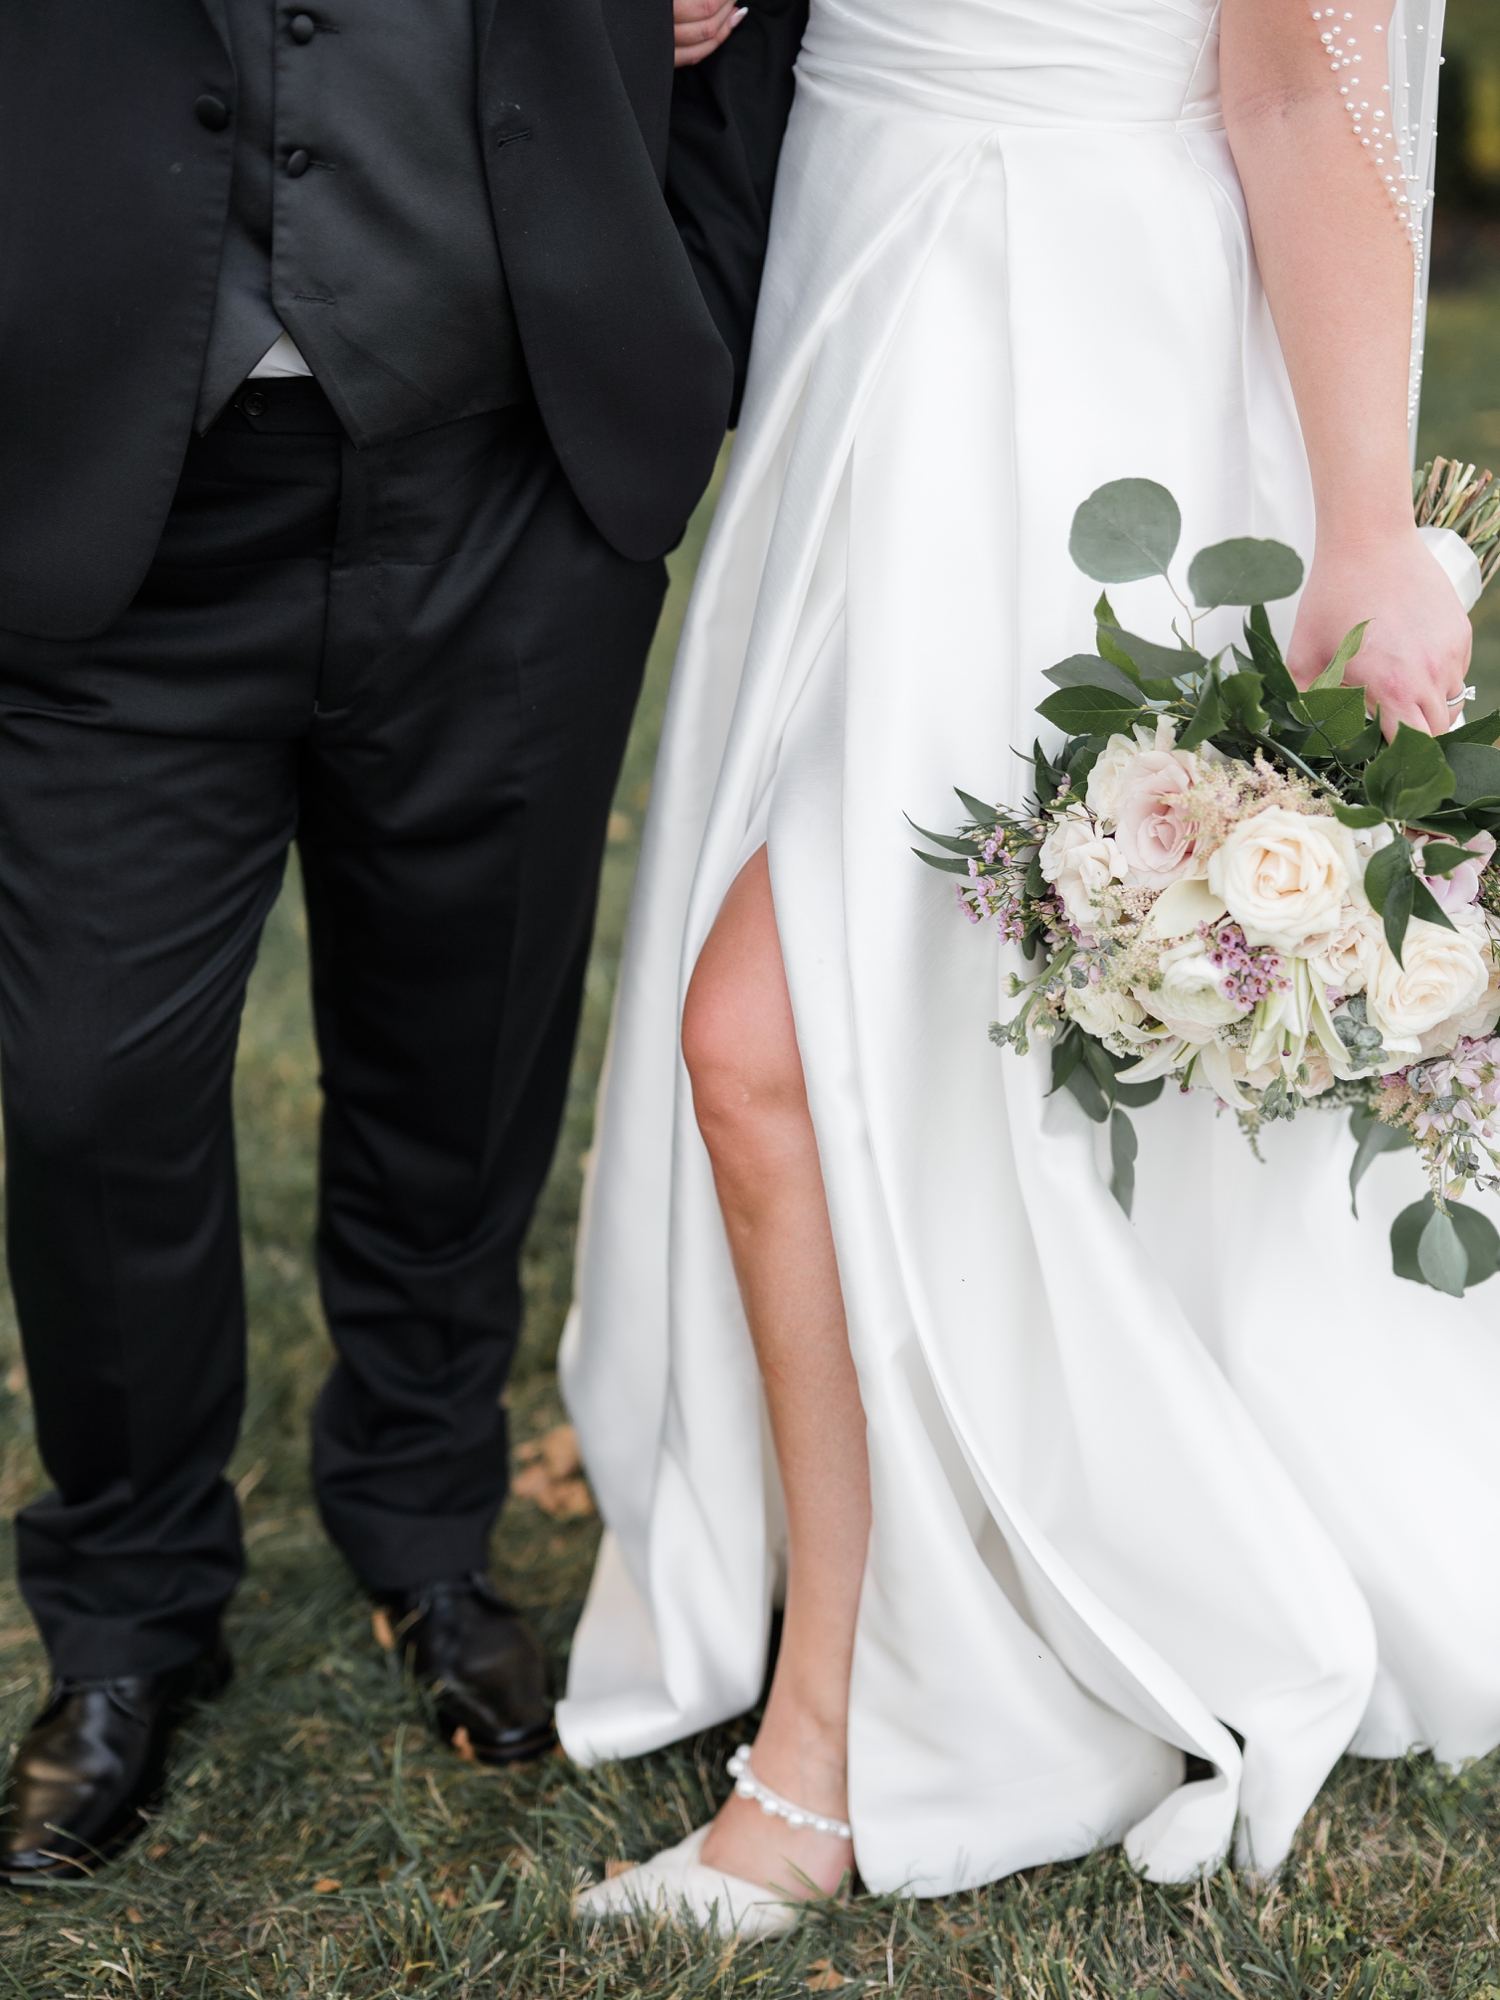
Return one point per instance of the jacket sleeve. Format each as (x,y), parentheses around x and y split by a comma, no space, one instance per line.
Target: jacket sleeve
(728,116)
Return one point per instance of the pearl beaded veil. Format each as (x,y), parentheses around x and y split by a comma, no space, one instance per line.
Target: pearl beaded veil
(1386,73)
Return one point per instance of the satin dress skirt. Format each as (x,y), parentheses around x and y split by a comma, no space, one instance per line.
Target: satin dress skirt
(1142,1491)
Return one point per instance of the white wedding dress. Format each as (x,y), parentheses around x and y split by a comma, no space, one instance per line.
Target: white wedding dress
(1139,1489)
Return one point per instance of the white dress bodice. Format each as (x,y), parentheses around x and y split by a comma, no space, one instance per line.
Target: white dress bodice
(1027,62)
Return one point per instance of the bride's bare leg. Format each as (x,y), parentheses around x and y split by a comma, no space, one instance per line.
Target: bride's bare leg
(748,1091)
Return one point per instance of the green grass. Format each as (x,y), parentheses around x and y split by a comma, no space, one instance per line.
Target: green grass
(1461,419)
(318,1768)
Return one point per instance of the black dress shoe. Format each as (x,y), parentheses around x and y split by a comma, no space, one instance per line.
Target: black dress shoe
(485,1669)
(91,1762)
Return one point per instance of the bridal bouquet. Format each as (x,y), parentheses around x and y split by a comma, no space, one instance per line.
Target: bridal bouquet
(1234,884)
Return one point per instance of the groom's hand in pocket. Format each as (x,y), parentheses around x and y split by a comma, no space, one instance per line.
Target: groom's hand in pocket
(701,26)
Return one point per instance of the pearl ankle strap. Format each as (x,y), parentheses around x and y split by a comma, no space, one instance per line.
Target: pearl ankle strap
(774,1806)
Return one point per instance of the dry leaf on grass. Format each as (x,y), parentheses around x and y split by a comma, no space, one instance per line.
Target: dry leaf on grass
(551,1475)
(822,1977)
(326,1884)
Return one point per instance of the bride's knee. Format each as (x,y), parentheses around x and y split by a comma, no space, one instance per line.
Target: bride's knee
(743,1063)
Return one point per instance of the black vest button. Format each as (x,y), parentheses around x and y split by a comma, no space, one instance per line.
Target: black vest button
(213,113)
(253,404)
(298,164)
(304,27)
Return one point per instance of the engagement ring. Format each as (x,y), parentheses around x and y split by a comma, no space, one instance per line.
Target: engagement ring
(1458,700)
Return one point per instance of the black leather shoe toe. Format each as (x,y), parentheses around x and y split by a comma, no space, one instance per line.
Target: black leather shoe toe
(91,1763)
(477,1654)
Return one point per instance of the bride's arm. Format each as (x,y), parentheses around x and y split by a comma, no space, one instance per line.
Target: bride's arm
(1337,267)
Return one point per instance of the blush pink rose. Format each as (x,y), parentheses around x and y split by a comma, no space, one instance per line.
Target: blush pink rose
(1155,841)
(1457,891)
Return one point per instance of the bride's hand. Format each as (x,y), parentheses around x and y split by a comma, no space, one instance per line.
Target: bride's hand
(701,26)
(1416,648)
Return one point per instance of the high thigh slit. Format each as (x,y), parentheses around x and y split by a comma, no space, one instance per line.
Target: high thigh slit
(1141,1492)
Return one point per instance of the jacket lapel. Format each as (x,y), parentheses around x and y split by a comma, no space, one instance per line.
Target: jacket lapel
(217,12)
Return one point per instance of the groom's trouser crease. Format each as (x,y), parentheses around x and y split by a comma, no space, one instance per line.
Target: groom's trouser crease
(420,661)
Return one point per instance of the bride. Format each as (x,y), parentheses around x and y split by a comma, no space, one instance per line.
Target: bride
(1087,1530)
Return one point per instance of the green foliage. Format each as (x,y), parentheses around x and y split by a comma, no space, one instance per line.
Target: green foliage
(1447,1249)
(1125,530)
(1083,710)
(1244,571)
(1410,777)
(1092,670)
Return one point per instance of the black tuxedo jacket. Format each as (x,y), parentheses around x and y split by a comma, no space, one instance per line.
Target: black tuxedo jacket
(113,199)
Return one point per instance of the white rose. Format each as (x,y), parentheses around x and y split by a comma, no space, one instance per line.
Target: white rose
(1080,863)
(1188,1000)
(1285,876)
(1477,1021)
(1103,788)
(1345,956)
(1445,974)
(1101,1012)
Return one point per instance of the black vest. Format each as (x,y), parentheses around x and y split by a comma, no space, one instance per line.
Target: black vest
(115,177)
(360,216)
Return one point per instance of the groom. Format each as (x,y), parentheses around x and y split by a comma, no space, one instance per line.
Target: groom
(357,372)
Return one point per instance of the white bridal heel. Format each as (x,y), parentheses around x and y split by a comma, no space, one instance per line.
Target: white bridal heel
(676,1883)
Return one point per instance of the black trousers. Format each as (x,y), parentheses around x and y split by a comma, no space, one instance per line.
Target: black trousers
(420,661)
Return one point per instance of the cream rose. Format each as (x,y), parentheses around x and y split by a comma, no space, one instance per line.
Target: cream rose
(1101,1012)
(1080,863)
(1188,1000)
(1285,876)
(1445,974)
(1118,754)
(1345,956)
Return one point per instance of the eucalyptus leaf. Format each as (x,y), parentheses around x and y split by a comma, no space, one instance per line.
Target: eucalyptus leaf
(1067,1053)
(1097,1058)
(1373,1137)
(1475,1231)
(1122,1151)
(1090,670)
(1135,1095)
(1244,571)
(1441,1256)
(1481,1240)
(1083,710)
(1090,1096)
(1127,529)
